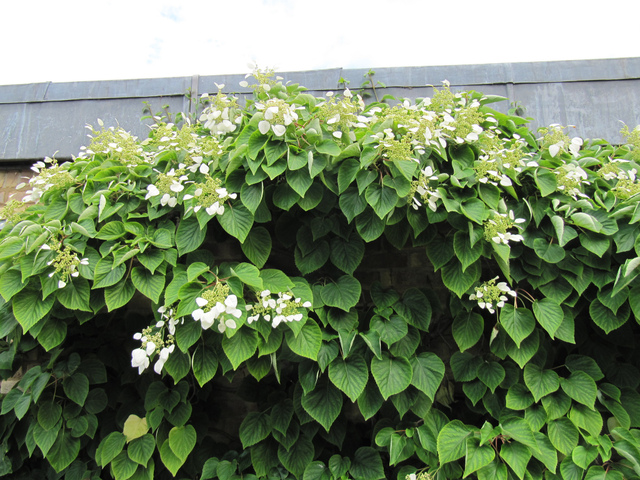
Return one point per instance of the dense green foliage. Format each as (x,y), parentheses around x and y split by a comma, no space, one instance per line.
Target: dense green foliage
(198,304)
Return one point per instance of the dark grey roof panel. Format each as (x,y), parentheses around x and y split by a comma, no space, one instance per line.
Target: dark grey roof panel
(595,95)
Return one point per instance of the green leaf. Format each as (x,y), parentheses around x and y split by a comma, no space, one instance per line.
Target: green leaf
(581,388)
(382,199)
(582,363)
(517,322)
(344,293)
(539,381)
(585,418)
(366,465)
(604,317)
(236,221)
(347,254)
(392,375)
(141,449)
(324,403)
(415,309)
(467,329)
(150,285)
(298,457)
(205,363)
(308,341)
(452,441)
(477,456)
(583,456)
(49,414)
(546,181)
(549,252)
(106,274)
(458,280)
(248,274)
(135,427)
(520,431)
(110,447)
(427,373)
(119,295)
(52,333)
(352,204)
(518,397)
(76,388)
(64,451)
(517,457)
(251,196)
(10,284)
(257,246)
(29,308)
(254,428)
(11,247)
(491,374)
(316,471)
(549,315)
(563,435)
(474,209)
(241,346)
(350,375)
(464,366)
(182,440)
(466,253)
(299,181)
(584,220)
(189,235)
(369,225)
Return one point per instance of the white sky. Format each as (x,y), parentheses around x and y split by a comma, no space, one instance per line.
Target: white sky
(75,40)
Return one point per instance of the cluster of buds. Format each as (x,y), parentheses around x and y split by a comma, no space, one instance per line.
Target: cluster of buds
(626,178)
(152,343)
(283,308)
(216,304)
(65,263)
(496,228)
(490,295)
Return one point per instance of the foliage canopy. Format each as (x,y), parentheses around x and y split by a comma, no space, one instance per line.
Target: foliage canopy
(197,305)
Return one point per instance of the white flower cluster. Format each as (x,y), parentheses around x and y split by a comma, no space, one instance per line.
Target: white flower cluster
(343,114)
(212,309)
(169,185)
(284,308)
(48,175)
(141,357)
(490,295)
(116,143)
(570,177)
(278,114)
(496,228)
(556,141)
(153,342)
(210,195)
(222,116)
(427,193)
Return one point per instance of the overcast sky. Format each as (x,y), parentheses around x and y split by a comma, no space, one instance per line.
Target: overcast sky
(76,40)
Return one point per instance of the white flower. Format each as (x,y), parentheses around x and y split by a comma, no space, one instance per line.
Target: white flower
(231,304)
(264,127)
(201,301)
(215,209)
(162,358)
(224,324)
(152,191)
(279,130)
(139,359)
(61,284)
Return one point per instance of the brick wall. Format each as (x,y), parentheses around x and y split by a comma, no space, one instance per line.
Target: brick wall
(10,177)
